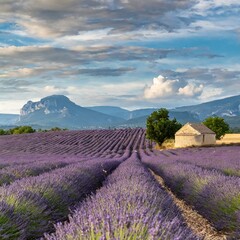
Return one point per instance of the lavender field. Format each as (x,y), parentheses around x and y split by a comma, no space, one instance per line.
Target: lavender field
(97,184)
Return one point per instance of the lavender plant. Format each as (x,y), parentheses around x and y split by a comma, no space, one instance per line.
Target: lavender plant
(46,198)
(13,173)
(224,159)
(12,226)
(89,143)
(130,205)
(214,195)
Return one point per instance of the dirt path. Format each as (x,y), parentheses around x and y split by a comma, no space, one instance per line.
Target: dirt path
(199,225)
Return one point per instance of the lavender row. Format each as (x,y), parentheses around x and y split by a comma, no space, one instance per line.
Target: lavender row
(130,205)
(78,143)
(32,165)
(212,194)
(225,158)
(25,158)
(30,206)
(13,173)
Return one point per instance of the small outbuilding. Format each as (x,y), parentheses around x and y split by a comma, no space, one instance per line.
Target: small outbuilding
(194,134)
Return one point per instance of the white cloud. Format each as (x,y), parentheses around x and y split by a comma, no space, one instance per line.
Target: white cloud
(210,93)
(51,89)
(22,72)
(48,19)
(11,106)
(190,90)
(36,28)
(11,72)
(11,50)
(204,5)
(85,36)
(161,87)
(89,35)
(216,25)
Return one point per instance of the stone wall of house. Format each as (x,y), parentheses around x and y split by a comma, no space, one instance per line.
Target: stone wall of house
(209,139)
(194,140)
(187,141)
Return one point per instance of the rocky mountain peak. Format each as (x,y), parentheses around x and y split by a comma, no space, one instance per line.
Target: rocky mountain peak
(50,104)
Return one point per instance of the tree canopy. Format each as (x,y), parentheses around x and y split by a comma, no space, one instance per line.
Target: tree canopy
(218,125)
(27,129)
(160,127)
(17,130)
(22,129)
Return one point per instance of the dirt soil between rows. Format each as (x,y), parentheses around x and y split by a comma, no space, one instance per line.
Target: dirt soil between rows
(199,225)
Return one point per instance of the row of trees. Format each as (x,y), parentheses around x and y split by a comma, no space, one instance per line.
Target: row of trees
(161,128)
(26,129)
(17,130)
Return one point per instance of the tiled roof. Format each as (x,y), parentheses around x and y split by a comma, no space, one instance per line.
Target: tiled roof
(195,129)
(201,128)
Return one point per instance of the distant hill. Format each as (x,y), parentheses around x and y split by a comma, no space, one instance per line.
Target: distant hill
(8,119)
(227,107)
(141,112)
(123,113)
(58,110)
(182,117)
(137,118)
(113,111)
(234,122)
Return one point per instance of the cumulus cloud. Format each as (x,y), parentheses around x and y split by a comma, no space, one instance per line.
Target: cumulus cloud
(190,90)
(161,87)
(205,83)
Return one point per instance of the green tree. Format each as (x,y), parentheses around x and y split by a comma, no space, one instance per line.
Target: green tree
(217,125)
(56,129)
(2,132)
(160,127)
(22,129)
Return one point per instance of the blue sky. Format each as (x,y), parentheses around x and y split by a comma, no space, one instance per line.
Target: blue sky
(127,53)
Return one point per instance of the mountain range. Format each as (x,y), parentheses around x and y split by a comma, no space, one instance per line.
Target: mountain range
(227,107)
(58,110)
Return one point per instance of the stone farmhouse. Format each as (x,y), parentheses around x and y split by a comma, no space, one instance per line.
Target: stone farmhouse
(194,134)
